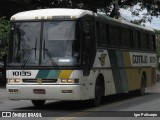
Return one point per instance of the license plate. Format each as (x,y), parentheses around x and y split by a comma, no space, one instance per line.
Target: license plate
(39,91)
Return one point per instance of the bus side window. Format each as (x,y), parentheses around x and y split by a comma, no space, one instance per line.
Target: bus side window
(87,29)
(88,36)
(114,36)
(154,43)
(144,41)
(151,44)
(136,43)
(125,38)
(101,34)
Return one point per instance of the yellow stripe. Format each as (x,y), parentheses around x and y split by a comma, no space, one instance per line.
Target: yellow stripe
(127,60)
(132,73)
(65,73)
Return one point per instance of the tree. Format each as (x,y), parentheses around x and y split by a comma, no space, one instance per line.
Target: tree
(158,42)
(4,31)
(10,7)
(4,37)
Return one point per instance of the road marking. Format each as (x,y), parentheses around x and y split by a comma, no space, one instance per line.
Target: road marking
(86,112)
(70,116)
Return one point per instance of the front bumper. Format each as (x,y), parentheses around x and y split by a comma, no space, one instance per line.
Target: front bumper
(52,92)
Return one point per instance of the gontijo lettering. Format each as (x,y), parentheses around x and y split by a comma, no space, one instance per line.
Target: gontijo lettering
(140,59)
(143,59)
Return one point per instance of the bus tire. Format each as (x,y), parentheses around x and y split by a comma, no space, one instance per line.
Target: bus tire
(98,93)
(38,103)
(141,91)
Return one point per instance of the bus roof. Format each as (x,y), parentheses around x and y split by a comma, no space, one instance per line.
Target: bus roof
(69,13)
(50,13)
(127,24)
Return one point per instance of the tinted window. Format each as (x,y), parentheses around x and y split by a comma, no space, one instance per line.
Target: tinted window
(151,40)
(144,41)
(135,40)
(102,34)
(125,38)
(114,36)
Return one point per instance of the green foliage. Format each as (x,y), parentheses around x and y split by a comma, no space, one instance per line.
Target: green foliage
(4,30)
(157,32)
(3,51)
(138,22)
(4,35)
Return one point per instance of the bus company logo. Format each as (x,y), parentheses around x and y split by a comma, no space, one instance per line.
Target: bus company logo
(20,114)
(39,81)
(6,114)
(102,59)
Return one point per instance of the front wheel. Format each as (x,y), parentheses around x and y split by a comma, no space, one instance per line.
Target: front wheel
(38,103)
(98,94)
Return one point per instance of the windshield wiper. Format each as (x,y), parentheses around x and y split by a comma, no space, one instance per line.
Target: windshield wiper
(30,53)
(48,54)
(19,39)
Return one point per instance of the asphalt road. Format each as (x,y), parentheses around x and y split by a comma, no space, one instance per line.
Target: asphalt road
(115,107)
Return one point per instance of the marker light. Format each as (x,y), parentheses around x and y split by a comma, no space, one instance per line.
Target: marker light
(69,80)
(15,80)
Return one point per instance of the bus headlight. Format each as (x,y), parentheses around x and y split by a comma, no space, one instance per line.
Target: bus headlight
(10,80)
(64,81)
(15,80)
(69,80)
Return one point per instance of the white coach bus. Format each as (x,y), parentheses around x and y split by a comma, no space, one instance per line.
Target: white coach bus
(74,54)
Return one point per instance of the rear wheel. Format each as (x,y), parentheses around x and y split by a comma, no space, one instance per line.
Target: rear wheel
(38,103)
(141,91)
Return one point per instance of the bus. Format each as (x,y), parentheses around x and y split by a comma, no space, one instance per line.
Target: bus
(75,54)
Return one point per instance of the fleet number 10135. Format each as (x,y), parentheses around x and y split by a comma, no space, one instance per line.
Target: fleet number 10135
(21,73)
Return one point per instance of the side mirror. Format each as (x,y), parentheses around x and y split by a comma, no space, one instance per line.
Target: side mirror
(86,54)
(87,43)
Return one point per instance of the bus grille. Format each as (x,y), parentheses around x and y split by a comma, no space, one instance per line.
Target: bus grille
(41,80)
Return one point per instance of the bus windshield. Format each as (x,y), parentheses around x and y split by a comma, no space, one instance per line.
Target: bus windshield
(51,43)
